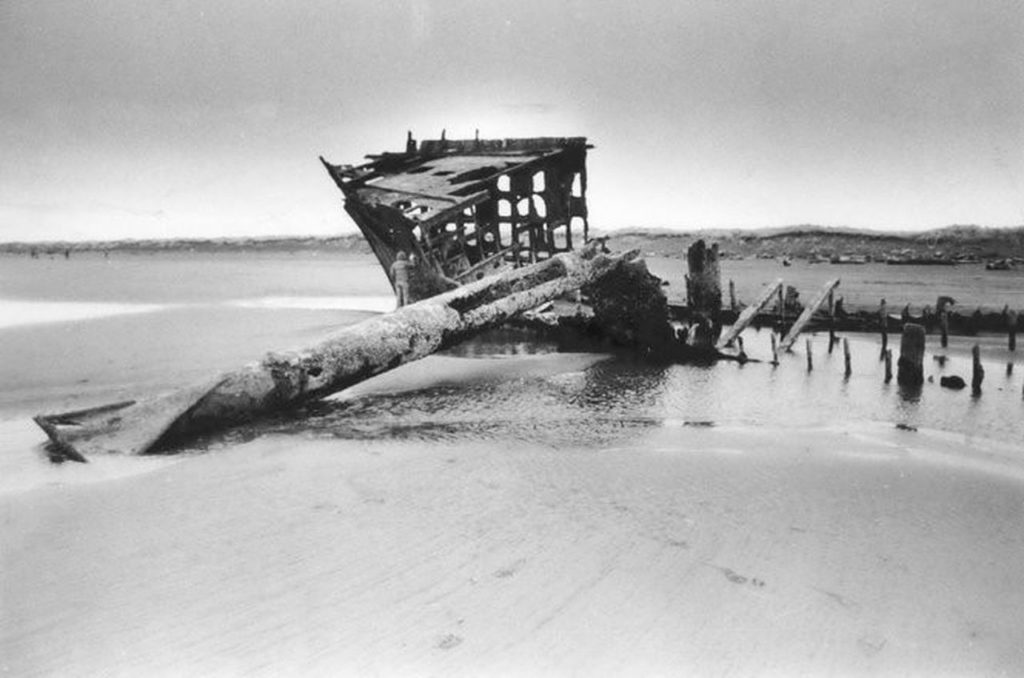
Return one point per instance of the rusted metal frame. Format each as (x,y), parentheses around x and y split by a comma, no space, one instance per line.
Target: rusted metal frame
(486,182)
(384,251)
(417,194)
(445,215)
(382,165)
(521,185)
(484,263)
(549,217)
(479,236)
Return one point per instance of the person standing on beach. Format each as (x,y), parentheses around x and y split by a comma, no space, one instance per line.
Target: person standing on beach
(400,278)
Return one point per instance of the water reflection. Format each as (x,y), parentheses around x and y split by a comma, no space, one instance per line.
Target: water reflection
(501,393)
(909,393)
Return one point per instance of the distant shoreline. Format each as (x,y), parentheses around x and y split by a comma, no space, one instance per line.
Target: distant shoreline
(354,243)
(795,242)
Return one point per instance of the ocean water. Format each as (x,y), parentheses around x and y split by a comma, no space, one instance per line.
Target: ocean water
(92,330)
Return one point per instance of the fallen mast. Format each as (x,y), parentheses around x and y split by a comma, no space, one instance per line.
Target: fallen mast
(349,356)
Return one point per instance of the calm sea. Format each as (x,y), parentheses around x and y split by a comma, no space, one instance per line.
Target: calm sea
(92,330)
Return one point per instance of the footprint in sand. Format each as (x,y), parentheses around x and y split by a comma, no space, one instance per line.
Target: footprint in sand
(733,577)
(737,578)
(509,570)
(449,641)
(871,644)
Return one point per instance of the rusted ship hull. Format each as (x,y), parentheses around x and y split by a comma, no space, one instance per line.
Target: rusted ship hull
(463,209)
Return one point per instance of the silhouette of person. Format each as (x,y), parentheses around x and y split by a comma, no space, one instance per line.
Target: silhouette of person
(400,278)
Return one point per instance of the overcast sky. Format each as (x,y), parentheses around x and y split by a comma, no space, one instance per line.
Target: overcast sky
(121,118)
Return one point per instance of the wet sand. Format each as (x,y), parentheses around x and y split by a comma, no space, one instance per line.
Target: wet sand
(590,530)
(722,551)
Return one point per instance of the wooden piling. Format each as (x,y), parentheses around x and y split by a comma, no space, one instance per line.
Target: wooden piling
(775,351)
(705,281)
(1011,322)
(888,365)
(944,328)
(846,356)
(810,358)
(910,366)
(831,321)
(704,287)
(977,371)
(883,321)
(782,307)
(732,296)
(749,313)
(805,317)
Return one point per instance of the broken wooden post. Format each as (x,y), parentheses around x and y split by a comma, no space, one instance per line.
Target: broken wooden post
(942,310)
(910,366)
(888,365)
(1011,322)
(775,351)
(704,285)
(831,322)
(805,317)
(977,371)
(630,308)
(810,357)
(749,313)
(883,319)
(733,306)
(347,357)
(741,356)
(782,308)
(846,356)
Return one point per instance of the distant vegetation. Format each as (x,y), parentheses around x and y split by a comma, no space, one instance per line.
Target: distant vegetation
(354,243)
(808,242)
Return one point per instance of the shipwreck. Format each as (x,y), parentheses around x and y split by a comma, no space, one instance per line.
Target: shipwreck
(496,231)
(464,209)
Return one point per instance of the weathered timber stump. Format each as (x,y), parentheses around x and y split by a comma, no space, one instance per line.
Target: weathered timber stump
(888,365)
(954,382)
(977,371)
(704,285)
(1011,322)
(883,322)
(846,357)
(910,366)
(631,309)
(346,357)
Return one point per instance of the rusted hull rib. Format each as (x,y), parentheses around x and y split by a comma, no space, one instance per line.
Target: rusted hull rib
(469,208)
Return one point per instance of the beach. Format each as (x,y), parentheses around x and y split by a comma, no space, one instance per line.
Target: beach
(708,553)
(503,509)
